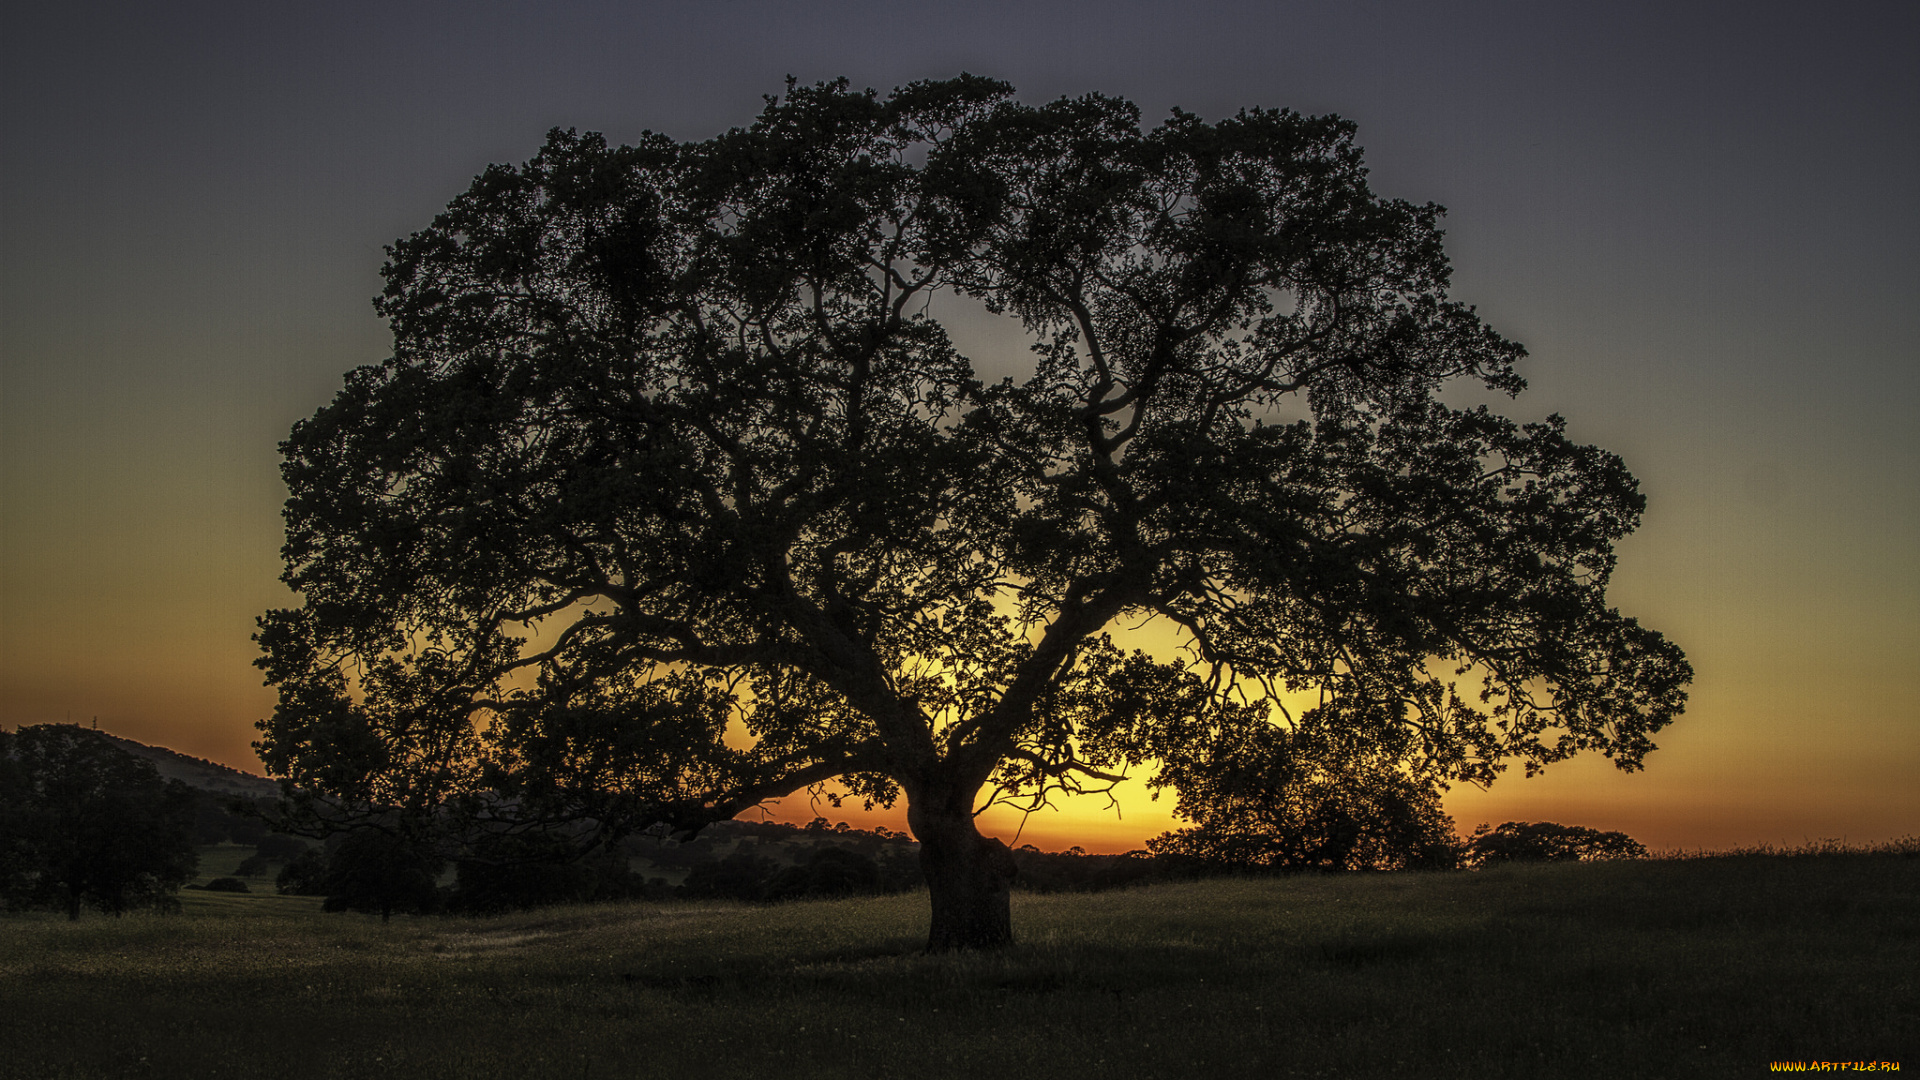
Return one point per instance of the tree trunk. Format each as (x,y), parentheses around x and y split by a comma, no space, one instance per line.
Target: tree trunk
(968,876)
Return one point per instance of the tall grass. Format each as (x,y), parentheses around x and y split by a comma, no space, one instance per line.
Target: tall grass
(1811,849)
(1695,967)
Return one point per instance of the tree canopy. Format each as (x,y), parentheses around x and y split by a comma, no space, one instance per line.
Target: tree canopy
(1547,841)
(676,495)
(83,823)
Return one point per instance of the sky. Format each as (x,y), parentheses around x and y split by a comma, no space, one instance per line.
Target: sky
(1703,220)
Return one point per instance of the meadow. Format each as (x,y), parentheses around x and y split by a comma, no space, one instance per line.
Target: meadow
(1671,967)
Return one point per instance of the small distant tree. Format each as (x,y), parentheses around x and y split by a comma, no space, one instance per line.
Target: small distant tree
(1546,841)
(828,871)
(305,875)
(1308,798)
(272,848)
(86,824)
(739,876)
(528,871)
(374,870)
(279,847)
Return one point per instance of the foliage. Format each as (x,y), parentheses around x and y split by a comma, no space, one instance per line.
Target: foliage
(225,819)
(824,870)
(833,870)
(83,823)
(272,848)
(527,871)
(18,857)
(226,884)
(1076,871)
(378,870)
(279,847)
(1545,841)
(672,446)
(304,875)
(741,875)
(1304,799)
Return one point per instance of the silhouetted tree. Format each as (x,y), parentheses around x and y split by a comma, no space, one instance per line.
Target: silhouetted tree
(224,819)
(272,848)
(277,847)
(83,823)
(518,871)
(384,871)
(672,446)
(304,875)
(18,870)
(1547,841)
(1300,798)
(832,870)
(739,876)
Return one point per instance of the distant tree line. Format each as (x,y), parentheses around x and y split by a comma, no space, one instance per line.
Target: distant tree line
(372,870)
(84,823)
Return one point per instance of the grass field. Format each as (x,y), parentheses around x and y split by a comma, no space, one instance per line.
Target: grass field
(1695,968)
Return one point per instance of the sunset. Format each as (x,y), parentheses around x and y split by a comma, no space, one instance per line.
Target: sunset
(653,415)
(1702,235)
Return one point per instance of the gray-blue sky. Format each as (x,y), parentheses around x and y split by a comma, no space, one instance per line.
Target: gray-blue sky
(1702,219)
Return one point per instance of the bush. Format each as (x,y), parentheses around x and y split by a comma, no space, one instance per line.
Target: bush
(226,884)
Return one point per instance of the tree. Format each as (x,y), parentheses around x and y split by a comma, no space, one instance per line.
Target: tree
(373,869)
(304,875)
(1547,841)
(1302,798)
(525,872)
(83,823)
(675,495)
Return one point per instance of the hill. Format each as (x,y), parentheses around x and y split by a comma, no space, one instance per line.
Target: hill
(208,776)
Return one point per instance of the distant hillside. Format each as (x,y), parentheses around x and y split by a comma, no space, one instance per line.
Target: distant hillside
(200,773)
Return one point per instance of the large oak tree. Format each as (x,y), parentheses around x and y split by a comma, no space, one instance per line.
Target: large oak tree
(676,497)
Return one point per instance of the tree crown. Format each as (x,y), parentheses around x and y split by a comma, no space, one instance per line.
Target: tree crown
(676,495)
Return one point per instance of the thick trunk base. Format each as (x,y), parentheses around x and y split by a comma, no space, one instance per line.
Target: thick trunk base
(968,878)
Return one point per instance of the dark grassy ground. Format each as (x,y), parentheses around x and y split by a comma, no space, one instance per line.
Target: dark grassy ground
(1709,967)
